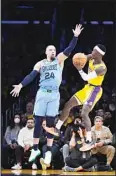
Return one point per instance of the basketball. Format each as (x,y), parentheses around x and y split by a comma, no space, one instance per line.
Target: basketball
(79,59)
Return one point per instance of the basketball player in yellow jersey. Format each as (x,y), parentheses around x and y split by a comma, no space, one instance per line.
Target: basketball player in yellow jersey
(90,94)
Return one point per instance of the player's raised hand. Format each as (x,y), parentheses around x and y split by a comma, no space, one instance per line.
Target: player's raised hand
(15,92)
(77,30)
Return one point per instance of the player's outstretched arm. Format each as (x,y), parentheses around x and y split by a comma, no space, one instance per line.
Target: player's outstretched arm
(65,54)
(28,79)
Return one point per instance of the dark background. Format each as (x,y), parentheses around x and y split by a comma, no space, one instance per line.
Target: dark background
(24,44)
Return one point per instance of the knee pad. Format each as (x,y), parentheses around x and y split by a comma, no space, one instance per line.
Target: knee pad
(50,123)
(38,124)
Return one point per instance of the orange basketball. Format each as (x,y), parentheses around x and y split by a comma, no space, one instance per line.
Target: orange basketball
(79,59)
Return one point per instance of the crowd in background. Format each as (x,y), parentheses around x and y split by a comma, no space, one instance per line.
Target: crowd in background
(22,47)
(22,123)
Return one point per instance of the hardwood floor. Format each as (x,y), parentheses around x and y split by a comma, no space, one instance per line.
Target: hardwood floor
(50,172)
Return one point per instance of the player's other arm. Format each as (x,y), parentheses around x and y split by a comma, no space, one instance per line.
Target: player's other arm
(65,54)
(28,79)
(97,72)
(89,57)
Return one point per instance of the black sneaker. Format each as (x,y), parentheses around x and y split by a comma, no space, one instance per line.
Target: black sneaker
(53,131)
(109,168)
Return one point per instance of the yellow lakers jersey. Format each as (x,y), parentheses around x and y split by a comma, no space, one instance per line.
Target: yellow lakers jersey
(99,79)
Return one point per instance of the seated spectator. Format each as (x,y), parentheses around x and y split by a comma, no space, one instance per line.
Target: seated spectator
(56,153)
(25,143)
(112,105)
(24,120)
(102,137)
(100,112)
(29,110)
(77,160)
(67,138)
(10,138)
(105,106)
(28,114)
(108,119)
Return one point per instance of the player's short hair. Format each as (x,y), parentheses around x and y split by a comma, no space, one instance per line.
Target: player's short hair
(100,48)
(98,117)
(50,46)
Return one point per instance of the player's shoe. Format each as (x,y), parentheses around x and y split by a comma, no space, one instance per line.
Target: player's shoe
(43,165)
(34,154)
(48,157)
(87,146)
(53,131)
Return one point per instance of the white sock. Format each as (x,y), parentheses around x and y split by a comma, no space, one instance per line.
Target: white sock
(59,124)
(88,136)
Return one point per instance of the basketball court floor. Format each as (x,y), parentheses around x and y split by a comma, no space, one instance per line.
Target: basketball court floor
(51,172)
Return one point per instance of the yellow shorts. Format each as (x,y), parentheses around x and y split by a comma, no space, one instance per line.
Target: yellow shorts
(89,95)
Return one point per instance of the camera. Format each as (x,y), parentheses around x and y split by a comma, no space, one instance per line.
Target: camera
(76,127)
(98,140)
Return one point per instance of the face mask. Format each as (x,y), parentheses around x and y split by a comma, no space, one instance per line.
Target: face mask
(16,120)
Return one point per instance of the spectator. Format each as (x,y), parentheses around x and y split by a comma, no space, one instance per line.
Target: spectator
(10,138)
(24,120)
(103,138)
(112,105)
(28,114)
(67,138)
(77,160)
(29,110)
(100,112)
(108,119)
(25,141)
(105,106)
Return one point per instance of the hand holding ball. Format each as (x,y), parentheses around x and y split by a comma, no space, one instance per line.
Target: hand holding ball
(79,60)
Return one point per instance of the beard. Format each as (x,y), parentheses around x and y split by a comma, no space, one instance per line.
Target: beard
(52,58)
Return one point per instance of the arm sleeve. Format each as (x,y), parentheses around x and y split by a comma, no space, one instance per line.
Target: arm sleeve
(71,46)
(29,78)
(88,76)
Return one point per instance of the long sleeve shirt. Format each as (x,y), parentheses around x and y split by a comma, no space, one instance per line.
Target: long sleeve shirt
(25,136)
(104,135)
(11,134)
